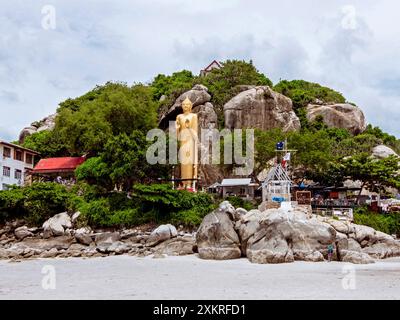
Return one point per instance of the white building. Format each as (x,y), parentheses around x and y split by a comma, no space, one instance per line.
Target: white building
(239,187)
(213,65)
(15,164)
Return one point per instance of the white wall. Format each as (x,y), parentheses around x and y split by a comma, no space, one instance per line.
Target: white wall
(13,165)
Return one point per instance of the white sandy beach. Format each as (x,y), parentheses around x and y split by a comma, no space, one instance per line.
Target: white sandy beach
(188,277)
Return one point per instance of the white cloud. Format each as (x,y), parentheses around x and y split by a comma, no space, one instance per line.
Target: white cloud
(348,46)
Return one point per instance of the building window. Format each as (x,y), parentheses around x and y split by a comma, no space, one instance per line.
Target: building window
(6,152)
(18,174)
(6,171)
(29,158)
(19,155)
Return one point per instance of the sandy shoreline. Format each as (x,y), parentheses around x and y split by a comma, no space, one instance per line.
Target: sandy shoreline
(188,277)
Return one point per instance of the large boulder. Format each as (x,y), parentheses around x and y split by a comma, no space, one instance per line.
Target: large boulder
(47,123)
(22,233)
(35,246)
(381,152)
(216,237)
(355,257)
(343,115)
(260,107)
(83,238)
(160,234)
(199,96)
(176,246)
(207,117)
(285,236)
(363,239)
(25,132)
(56,225)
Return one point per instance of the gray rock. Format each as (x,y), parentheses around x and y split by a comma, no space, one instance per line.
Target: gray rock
(107,238)
(378,251)
(75,217)
(285,236)
(176,246)
(62,242)
(56,225)
(22,233)
(161,233)
(26,132)
(355,257)
(52,253)
(84,230)
(47,123)
(83,238)
(364,233)
(381,152)
(198,95)
(216,237)
(260,107)
(207,117)
(343,115)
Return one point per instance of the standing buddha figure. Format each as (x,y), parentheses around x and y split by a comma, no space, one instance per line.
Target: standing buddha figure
(187,131)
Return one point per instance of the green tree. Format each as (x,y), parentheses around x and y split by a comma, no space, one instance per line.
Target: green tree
(373,173)
(114,109)
(94,171)
(172,85)
(47,143)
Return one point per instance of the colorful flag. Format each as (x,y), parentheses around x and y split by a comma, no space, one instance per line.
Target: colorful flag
(285,159)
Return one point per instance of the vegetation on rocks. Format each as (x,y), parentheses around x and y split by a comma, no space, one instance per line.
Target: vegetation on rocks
(387,223)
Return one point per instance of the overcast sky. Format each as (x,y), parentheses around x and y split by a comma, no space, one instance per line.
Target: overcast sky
(351,46)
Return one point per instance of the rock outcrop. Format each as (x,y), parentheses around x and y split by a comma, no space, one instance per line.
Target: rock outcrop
(216,237)
(200,98)
(47,123)
(279,236)
(276,236)
(160,234)
(57,225)
(17,241)
(343,115)
(260,107)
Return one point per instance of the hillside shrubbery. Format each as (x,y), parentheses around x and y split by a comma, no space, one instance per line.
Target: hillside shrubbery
(387,223)
(35,203)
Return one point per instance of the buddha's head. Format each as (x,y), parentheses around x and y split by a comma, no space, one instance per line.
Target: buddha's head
(187,105)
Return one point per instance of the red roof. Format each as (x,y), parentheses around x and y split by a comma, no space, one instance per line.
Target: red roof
(65,164)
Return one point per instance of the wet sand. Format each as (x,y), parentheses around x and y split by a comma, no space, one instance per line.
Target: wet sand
(188,277)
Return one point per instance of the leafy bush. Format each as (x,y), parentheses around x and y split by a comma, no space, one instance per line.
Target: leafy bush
(163,200)
(303,92)
(387,223)
(47,143)
(150,203)
(35,203)
(172,85)
(86,123)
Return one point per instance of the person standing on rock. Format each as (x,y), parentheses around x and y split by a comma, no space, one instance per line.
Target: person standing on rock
(330,252)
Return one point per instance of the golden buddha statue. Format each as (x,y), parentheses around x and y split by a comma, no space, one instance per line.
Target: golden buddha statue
(187,130)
